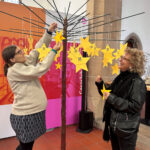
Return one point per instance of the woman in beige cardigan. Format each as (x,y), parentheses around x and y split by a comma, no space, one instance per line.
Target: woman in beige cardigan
(23,72)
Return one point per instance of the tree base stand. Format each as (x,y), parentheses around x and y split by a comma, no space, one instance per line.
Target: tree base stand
(85,122)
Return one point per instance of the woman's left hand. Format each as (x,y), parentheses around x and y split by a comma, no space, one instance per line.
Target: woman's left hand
(106,94)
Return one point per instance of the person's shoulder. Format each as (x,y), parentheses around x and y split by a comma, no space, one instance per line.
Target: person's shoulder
(17,66)
(139,81)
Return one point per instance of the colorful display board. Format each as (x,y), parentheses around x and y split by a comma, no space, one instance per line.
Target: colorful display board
(51,81)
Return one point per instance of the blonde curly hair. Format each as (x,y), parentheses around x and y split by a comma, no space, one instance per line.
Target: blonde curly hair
(137,60)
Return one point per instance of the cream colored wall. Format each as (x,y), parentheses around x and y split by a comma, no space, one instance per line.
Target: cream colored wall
(95,66)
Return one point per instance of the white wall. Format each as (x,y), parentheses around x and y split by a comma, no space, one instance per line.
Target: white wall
(5,126)
(138,24)
(61,4)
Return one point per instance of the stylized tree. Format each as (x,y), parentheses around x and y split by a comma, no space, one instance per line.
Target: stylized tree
(69,25)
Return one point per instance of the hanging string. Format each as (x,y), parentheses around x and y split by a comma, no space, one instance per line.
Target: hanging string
(22,34)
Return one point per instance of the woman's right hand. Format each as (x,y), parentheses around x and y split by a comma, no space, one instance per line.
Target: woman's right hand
(57,46)
(98,78)
(52,27)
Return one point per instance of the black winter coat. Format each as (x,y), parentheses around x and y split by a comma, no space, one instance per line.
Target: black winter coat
(128,93)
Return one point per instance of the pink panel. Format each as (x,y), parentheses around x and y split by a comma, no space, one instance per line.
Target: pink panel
(53,111)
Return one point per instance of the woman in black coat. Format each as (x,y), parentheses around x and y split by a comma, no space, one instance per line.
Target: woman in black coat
(124,103)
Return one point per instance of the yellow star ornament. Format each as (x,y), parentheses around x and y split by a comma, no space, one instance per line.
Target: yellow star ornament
(81,63)
(120,52)
(58,66)
(94,51)
(115,69)
(30,40)
(122,49)
(25,51)
(43,52)
(85,44)
(76,58)
(108,57)
(58,37)
(104,90)
(58,53)
(74,54)
(117,54)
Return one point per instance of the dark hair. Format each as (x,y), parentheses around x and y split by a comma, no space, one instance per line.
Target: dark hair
(7,54)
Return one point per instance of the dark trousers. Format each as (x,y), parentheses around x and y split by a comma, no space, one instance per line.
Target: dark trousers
(123,143)
(25,146)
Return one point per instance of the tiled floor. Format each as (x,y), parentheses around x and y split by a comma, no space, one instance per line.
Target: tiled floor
(74,141)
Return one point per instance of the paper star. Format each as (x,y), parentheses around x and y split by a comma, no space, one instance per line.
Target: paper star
(25,51)
(30,40)
(94,51)
(43,52)
(58,53)
(104,90)
(108,57)
(122,49)
(105,61)
(117,54)
(81,63)
(115,69)
(58,37)
(58,66)
(74,54)
(85,44)
(77,59)
(120,52)
(74,43)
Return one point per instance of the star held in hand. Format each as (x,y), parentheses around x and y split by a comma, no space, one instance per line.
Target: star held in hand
(58,37)
(104,90)
(43,52)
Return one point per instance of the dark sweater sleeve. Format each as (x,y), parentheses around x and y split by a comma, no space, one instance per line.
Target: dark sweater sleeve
(99,87)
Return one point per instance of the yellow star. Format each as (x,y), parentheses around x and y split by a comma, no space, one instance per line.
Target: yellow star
(58,53)
(30,40)
(120,52)
(117,54)
(85,44)
(74,53)
(105,61)
(76,58)
(104,90)
(115,69)
(58,66)
(74,43)
(108,57)
(94,51)
(43,52)
(25,51)
(122,49)
(81,63)
(58,37)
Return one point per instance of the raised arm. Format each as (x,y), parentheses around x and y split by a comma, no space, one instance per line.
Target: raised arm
(21,72)
(32,58)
